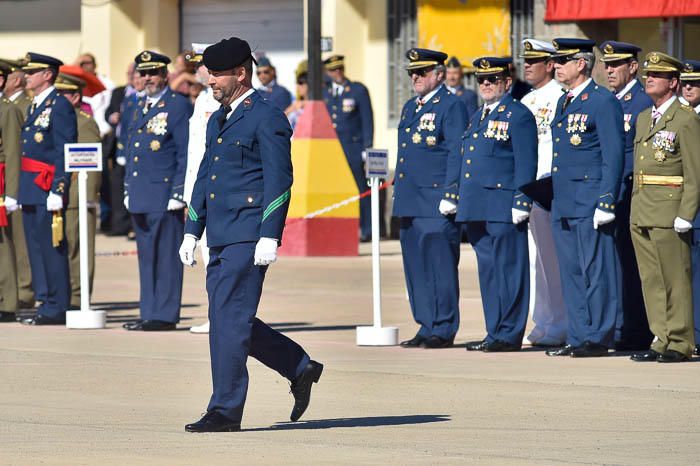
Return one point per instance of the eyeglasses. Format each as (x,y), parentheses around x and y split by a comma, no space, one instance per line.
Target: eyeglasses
(564,60)
(492,79)
(420,72)
(153,72)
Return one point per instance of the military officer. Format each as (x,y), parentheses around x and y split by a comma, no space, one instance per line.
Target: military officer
(241,197)
(43,186)
(690,86)
(499,154)
(665,199)
(621,65)
(429,135)
(14,92)
(454,81)
(350,107)
(71,88)
(547,303)
(156,160)
(270,90)
(587,165)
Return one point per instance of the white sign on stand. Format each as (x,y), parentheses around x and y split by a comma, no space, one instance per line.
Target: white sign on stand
(84,158)
(376,168)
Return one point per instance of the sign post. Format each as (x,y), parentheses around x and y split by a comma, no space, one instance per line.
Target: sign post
(376,168)
(84,158)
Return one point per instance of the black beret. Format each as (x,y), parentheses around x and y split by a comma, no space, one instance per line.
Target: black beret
(227,54)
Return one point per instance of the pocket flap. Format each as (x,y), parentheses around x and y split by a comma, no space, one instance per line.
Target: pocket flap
(241,200)
(245,142)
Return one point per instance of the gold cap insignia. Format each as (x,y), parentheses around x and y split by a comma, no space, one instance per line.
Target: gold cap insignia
(484,63)
(555,44)
(654,58)
(688,68)
(609,49)
(413,55)
(145,56)
(528,45)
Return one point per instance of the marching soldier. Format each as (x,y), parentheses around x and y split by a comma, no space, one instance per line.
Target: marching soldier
(71,88)
(350,108)
(587,165)
(690,86)
(548,310)
(43,186)
(270,90)
(156,154)
(454,81)
(499,154)
(621,64)
(430,132)
(242,196)
(665,199)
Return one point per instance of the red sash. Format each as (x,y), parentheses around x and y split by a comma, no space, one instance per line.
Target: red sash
(45,171)
(3,210)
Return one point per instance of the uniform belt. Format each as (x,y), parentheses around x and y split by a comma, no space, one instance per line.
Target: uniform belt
(45,172)
(3,209)
(660,180)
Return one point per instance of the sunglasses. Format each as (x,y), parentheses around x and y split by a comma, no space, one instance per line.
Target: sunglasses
(492,79)
(564,60)
(153,72)
(690,83)
(420,72)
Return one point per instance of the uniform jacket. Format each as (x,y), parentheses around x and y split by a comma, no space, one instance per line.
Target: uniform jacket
(243,185)
(88,131)
(542,103)
(23,101)
(428,156)
(588,153)
(278,95)
(11,120)
(468,98)
(633,103)
(45,132)
(204,107)
(351,113)
(156,154)
(669,149)
(499,154)
(129,114)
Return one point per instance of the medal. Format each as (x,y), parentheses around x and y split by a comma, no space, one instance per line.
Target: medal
(155,145)
(659,156)
(430,140)
(417,138)
(575,140)
(38,137)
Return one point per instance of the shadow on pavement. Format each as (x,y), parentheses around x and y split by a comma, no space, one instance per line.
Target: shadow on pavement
(125,306)
(374,421)
(311,328)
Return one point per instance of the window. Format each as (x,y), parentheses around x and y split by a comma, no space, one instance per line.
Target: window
(402,32)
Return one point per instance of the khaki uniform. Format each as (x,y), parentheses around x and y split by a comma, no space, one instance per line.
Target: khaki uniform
(666,186)
(88,131)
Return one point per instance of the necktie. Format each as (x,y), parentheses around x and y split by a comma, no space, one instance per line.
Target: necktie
(147,107)
(655,116)
(419,105)
(225,109)
(31,110)
(569,98)
(485,113)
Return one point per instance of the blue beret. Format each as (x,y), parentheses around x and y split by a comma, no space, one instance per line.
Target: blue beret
(149,60)
(264,61)
(227,54)
(423,58)
(454,62)
(37,61)
(566,46)
(691,70)
(614,50)
(492,65)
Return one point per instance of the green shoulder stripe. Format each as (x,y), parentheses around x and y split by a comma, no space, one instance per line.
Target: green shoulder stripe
(274,205)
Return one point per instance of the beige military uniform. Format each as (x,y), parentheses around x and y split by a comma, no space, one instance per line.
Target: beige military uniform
(88,131)
(666,186)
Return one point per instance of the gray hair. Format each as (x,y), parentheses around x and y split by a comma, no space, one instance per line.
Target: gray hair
(589,57)
(440,69)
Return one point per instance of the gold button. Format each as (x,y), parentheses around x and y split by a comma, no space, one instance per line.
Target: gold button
(555,169)
(558,125)
(670,195)
(250,199)
(601,204)
(401,160)
(518,203)
(408,130)
(135,173)
(641,157)
(498,185)
(400,175)
(219,140)
(434,185)
(645,144)
(166,179)
(585,177)
(471,148)
(469,161)
(335,107)
(556,154)
(334,116)
(475,135)
(403,144)
(612,206)
(334,125)
(467,175)
(216,158)
(136,158)
(238,143)
(24,141)
(556,140)
(607,206)
(136,144)
(140,131)
(213,177)
(212,196)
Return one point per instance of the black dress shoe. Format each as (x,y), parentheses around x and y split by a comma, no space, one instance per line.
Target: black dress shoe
(589,350)
(476,345)
(301,388)
(413,342)
(563,351)
(6,316)
(437,343)
(152,326)
(672,356)
(696,351)
(132,323)
(499,346)
(646,356)
(214,422)
(43,320)
(365,239)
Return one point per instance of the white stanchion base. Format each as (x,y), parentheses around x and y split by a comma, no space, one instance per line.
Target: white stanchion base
(86,319)
(377,336)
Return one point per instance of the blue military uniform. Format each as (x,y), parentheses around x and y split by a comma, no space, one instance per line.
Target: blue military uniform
(588,160)
(499,154)
(156,153)
(468,98)
(278,95)
(632,327)
(48,127)
(351,113)
(429,135)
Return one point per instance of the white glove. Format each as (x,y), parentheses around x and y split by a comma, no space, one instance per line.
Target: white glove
(54,202)
(447,208)
(681,226)
(121,161)
(601,217)
(364,155)
(11,204)
(519,216)
(126,202)
(265,251)
(174,204)
(189,243)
